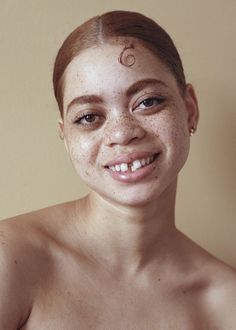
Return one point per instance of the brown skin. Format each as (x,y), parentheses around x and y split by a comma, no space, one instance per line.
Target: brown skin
(114,259)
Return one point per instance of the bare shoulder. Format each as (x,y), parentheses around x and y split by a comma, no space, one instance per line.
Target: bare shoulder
(16,256)
(221,296)
(215,282)
(30,235)
(25,260)
(32,232)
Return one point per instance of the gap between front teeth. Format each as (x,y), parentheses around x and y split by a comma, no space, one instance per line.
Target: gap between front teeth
(136,164)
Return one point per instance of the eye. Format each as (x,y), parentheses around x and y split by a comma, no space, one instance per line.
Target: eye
(88,119)
(150,102)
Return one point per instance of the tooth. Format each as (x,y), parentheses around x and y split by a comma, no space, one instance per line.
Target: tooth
(117,168)
(151,158)
(137,164)
(143,162)
(113,168)
(148,160)
(124,167)
(133,168)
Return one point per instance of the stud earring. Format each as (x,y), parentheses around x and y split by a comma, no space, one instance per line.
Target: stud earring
(61,135)
(192,131)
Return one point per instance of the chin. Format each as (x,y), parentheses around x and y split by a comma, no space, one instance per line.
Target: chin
(139,195)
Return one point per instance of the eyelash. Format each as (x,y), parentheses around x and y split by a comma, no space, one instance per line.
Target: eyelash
(78,121)
(159,99)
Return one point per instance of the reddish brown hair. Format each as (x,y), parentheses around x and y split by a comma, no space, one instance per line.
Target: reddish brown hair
(101,29)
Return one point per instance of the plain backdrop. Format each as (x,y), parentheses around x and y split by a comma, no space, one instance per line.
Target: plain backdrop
(35,169)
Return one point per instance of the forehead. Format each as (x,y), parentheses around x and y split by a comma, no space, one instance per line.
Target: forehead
(111,68)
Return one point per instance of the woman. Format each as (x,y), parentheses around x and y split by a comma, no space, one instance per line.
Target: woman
(114,259)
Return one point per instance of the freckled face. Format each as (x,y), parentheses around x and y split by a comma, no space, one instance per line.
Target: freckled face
(119,119)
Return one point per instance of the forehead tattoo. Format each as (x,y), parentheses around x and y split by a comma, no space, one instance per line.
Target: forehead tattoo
(126,57)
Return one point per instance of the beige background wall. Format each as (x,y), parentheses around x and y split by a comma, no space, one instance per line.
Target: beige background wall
(35,171)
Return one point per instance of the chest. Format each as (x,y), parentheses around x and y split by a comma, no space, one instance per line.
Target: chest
(113,307)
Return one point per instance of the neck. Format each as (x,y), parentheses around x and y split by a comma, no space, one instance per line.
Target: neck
(130,238)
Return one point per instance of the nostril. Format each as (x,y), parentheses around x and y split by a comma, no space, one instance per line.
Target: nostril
(134,138)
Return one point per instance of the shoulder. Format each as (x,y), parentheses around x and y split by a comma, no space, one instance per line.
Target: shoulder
(215,284)
(29,240)
(220,297)
(32,245)
(14,293)
(24,260)
(30,235)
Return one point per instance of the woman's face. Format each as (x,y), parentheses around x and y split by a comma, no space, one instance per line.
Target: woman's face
(126,125)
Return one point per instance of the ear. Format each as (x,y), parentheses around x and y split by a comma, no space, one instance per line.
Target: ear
(60,125)
(191,104)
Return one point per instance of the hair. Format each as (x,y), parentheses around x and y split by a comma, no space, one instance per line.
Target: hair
(103,29)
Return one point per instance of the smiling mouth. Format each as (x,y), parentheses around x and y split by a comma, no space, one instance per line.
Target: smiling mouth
(134,165)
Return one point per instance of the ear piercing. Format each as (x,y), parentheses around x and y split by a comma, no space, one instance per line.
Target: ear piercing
(192,131)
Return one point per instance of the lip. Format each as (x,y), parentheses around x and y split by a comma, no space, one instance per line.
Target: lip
(136,176)
(129,158)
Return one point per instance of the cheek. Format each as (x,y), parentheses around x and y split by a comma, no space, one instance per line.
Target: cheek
(170,130)
(177,141)
(168,126)
(175,131)
(82,152)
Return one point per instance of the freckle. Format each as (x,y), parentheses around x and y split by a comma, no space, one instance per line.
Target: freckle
(16,262)
(184,291)
(159,279)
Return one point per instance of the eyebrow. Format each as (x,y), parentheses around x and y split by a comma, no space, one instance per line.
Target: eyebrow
(133,89)
(84,99)
(141,84)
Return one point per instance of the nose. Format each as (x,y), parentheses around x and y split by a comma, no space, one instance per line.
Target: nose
(122,131)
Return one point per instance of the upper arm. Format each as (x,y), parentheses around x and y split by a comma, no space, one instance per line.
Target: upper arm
(14,303)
